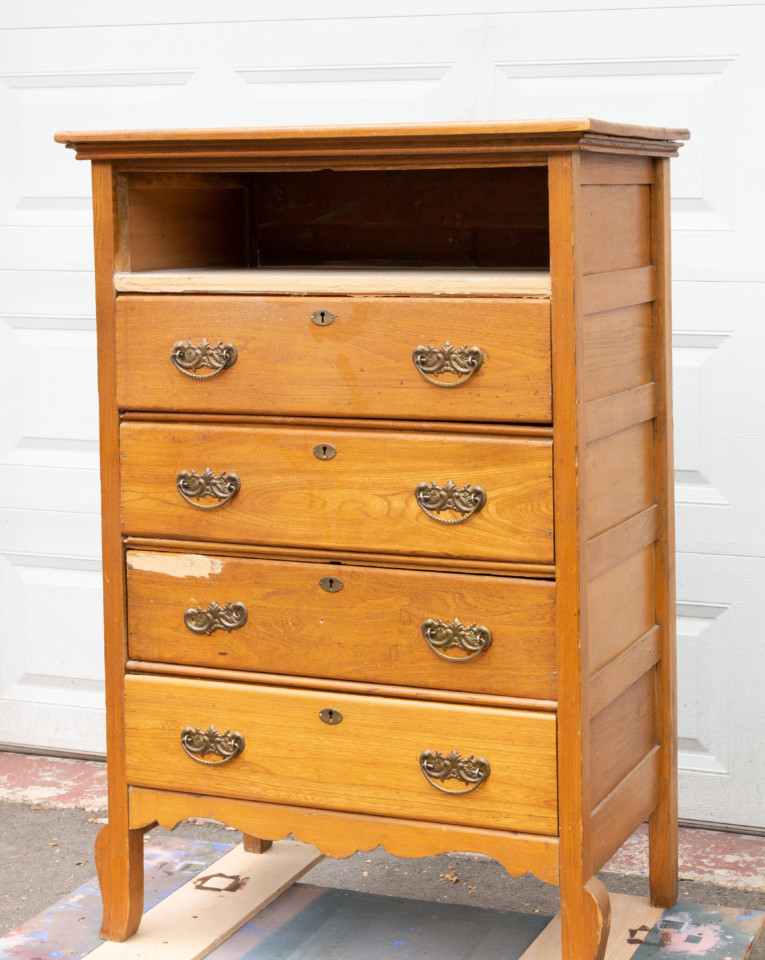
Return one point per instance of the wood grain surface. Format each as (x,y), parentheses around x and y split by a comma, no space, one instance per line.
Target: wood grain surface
(605,249)
(350,280)
(370,630)
(622,606)
(617,350)
(620,477)
(366,763)
(622,734)
(361,364)
(362,499)
(194,919)
(340,834)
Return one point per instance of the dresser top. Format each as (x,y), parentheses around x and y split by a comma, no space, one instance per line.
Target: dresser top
(362,140)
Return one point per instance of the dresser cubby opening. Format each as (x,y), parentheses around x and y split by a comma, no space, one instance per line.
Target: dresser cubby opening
(494,218)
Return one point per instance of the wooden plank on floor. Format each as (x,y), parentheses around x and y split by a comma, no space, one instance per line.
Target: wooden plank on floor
(628,915)
(192,921)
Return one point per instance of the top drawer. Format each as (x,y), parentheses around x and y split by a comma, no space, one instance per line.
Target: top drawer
(361,364)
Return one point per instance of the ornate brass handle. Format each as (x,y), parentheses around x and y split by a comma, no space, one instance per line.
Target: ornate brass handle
(187,358)
(224,745)
(465,501)
(192,486)
(215,617)
(437,767)
(432,361)
(473,640)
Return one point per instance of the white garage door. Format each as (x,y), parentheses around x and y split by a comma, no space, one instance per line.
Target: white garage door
(88,64)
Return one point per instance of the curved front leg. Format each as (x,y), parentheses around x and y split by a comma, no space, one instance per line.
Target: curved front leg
(585,921)
(119,862)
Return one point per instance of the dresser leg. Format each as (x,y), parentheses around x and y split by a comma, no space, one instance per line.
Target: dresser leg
(255,844)
(119,861)
(585,921)
(662,854)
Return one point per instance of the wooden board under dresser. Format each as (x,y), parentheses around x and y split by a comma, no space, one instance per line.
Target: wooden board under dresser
(387,494)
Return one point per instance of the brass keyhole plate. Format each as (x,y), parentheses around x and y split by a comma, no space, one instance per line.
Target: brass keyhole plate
(330,716)
(324,451)
(322,318)
(331,584)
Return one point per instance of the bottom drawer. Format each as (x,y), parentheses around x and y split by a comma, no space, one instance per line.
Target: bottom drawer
(369,762)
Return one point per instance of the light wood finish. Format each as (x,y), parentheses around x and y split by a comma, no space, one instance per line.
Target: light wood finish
(604,292)
(437,144)
(375,751)
(303,281)
(371,340)
(342,686)
(628,913)
(397,561)
(621,812)
(613,168)
(622,608)
(295,627)
(618,674)
(172,228)
(194,919)
(662,824)
(605,249)
(620,542)
(618,354)
(622,734)
(364,495)
(119,850)
(342,834)
(575,708)
(620,477)
(585,908)
(524,430)
(619,411)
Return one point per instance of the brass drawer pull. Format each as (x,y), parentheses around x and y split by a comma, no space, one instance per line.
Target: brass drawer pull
(465,500)
(215,617)
(224,745)
(187,358)
(432,361)
(472,640)
(435,766)
(192,486)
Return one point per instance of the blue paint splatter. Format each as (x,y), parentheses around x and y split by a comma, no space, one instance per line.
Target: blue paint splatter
(399,943)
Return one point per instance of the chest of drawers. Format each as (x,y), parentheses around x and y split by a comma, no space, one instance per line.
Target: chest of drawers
(387,494)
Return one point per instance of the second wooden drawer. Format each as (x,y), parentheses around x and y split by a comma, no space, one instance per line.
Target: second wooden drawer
(411,628)
(363,496)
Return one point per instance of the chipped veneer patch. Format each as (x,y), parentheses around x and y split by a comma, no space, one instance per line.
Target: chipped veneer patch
(181,565)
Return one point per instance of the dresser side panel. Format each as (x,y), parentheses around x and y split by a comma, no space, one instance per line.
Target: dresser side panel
(628,360)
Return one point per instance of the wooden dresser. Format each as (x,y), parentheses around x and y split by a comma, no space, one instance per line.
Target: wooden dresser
(387,494)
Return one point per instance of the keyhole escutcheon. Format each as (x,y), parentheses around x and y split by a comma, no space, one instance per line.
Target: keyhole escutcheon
(331,584)
(330,716)
(324,451)
(322,318)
